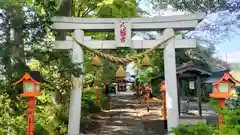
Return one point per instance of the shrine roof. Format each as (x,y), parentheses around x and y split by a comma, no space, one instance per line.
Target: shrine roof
(189,67)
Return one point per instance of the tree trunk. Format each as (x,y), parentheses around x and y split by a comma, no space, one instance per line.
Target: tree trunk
(6,59)
(65,10)
(18,31)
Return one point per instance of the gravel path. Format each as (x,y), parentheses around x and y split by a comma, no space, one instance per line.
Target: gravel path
(128,117)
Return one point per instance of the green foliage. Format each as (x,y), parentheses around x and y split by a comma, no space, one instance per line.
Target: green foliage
(9,121)
(199,129)
(234,102)
(231,122)
(145,75)
(192,6)
(89,98)
(26,42)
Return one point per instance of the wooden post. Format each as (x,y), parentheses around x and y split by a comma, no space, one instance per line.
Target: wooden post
(147,90)
(220,119)
(97,94)
(179,95)
(199,94)
(164,109)
(171,81)
(76,92)
(163,91)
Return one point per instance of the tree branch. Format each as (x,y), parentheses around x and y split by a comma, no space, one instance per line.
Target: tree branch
(78,14)
(86,12)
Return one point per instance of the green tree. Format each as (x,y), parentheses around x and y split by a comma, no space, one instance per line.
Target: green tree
(26,40)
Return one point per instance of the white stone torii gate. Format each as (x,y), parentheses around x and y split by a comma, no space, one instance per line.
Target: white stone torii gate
(79,25)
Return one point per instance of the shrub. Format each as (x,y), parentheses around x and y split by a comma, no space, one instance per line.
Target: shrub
(199,129)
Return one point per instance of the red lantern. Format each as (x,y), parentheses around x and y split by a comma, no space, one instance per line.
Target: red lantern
(223,84)
(31,88)
(222,88)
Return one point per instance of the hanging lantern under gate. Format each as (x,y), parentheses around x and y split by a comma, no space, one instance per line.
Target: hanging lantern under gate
(146,61)
(120,72)
(96,61)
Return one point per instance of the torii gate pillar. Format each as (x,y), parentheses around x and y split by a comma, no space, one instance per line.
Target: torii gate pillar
(171,81)
(76,92)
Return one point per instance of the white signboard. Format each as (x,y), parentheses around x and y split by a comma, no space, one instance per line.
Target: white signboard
(191,85)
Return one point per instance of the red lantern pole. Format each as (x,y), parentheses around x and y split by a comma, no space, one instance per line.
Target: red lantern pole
(163,91)
(221,102)
(164,107)
(147,96)
(97,94)
(31,110)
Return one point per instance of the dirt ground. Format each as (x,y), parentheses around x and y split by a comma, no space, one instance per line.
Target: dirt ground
(128,117)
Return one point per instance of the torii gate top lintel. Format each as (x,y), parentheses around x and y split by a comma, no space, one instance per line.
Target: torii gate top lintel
(163,19)
(185,22)
(123,28)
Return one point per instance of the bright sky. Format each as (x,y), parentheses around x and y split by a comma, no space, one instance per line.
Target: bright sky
(228,49)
